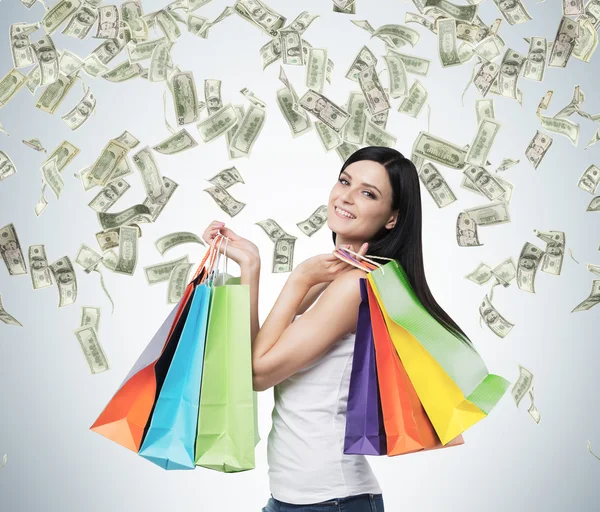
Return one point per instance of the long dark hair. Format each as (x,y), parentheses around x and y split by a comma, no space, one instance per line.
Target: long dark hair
(403,242)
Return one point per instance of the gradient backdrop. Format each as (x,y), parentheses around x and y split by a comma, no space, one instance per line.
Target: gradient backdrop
(48,398)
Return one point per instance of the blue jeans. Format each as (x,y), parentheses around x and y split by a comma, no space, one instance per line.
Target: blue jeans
(356,503)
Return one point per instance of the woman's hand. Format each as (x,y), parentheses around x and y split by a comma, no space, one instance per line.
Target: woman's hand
(240,250)
(325,267)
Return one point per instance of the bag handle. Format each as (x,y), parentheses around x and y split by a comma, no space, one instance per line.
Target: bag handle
(349,260)
(210,255)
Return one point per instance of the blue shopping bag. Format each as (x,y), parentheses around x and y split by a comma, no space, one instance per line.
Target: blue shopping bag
(171,436)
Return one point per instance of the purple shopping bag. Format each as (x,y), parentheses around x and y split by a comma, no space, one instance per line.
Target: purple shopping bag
(365,432)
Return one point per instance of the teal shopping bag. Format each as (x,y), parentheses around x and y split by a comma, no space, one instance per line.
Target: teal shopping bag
(171,436)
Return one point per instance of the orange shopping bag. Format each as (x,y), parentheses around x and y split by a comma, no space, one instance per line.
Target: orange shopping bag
(407,426)
(126,416)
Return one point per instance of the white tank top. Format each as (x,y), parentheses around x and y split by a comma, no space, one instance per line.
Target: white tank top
(305,447)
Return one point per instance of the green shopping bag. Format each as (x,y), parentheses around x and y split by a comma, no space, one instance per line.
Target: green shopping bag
(227,431)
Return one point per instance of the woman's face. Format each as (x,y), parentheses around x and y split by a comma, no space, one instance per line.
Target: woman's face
(371,207)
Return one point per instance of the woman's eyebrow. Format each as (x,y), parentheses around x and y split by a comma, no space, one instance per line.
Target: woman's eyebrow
(363,183)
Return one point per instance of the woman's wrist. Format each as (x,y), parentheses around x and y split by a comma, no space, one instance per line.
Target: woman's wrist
(250,266)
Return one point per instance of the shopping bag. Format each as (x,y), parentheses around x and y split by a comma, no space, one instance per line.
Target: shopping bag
(170,439)
(450,409)
(407,426)
(126,416)
(365,432)
(227,422)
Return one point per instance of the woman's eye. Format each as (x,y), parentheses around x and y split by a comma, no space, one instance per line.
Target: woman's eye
(370,194)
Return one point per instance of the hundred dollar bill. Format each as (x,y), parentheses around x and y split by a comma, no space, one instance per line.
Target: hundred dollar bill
(58,14)
(178,280)
(412,64)
(90,317)
(466,231)
(499,325)
(38,262)
(537,148)
(283,255)
(218,123)
(164,243)
(69,63)
(20,44)
(10,84)
(226,178)
(109,195)
(64,153)
(325,110)
(270,52)
(447,42)
(594,205)
(81,112)
(535,64)
(413,103)
(32,79)
(156,207)
(345,149)
(9,320)
(510,69)
(107,162)
(143,50)
(64,276)
(47,57)
(249,129)
(529,261)
(115,220)
(561,126)
(109,22)
(176,143)
(315,221)
(483,141)
(448,9)
(295,100)
(373,91)
(434,148)
(364,59)
(398,35)
(52,177)
(506,163)
(35,144)
(485,77)
(94,67)
(87,258)
(258,14)
(128,249)
(397,75)
(124,71)
(297,123)
(489,214)
(315,70)
(329,138)
(185,97)
(82,21)
(533,412)
(436,185)
(7,167)
(10,248)
(167,24)
(484,109)
(592,300)
(151,176)
(240,112)
(587,41)
(354,130)
(505,272)
(302,21)
(212,95)
(225,201)
(564,42)
(344,6)
(273,230)
(555,250)
(485,182)
(92,350)
(514,11)
(589,180)
(481,275)
(376,136)
(523,385)
(161,271)
(55,93)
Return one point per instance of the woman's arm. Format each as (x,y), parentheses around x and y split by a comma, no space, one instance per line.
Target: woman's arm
(311,296)
(250,275)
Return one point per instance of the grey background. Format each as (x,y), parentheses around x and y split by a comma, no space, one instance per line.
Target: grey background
(48,399)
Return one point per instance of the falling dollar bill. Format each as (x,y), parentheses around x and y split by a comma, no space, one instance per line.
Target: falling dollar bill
(41,276)
(528,264)
(499,325)
(466,231)
(161,271)
(92,349)
(64,276)
(7,319)
(436,185)
(592,300)
(11,251)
